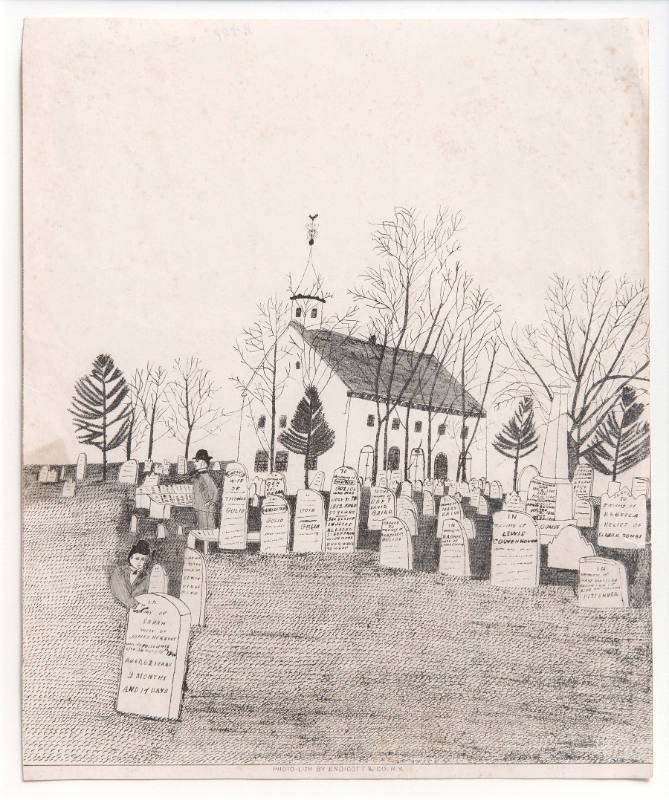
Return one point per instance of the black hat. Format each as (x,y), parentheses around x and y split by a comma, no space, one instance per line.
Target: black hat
(202,455)
(141,547)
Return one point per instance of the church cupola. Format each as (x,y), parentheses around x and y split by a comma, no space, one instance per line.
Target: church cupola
(307,310)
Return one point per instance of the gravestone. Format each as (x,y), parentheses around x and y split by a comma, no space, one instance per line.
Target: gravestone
(381,505)
(147,466)
(622,521)
(158,510)
(216,466)
(309,524)
(527,475)
(161,532)
(462,488)
(439,488)
(63,471)
(190,540)
(153,664)
(549,528)
(515,551)
(81,467)
(274,525)
(640,486)
(166,467)
(468,526)
(394,480)
(613,488)
(428,485)
(52,476)
(602,583)
(428,503)
(180,530)
(482,507)
(449,508)
(584,513)
(129,472)
(408,513)
(474,486)
(69,489)
(454,552)
(43,476)
(233,530)
(133,524)
(395,548)
(568,547)
(418,487)
(275,484)
(341,530)
(194,585)
(496,491)
(486,489)
(158,580)
(254,500)
(513,502)
(456,496)
(382,481)
(406,489)
(182,466)
(582,481)
(549,499)
(474,497)
(316,480)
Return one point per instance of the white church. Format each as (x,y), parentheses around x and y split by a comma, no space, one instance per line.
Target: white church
(344,370)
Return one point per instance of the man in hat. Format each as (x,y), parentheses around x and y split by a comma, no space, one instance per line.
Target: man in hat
(205,492)
(131,579)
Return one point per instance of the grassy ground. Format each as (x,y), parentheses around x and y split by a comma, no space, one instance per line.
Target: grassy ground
(308,659)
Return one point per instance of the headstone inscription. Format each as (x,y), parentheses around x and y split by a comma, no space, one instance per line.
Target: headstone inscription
(341,530)
(515,551)
(449,508)
(154,658)
(428,503)
(233,529)
(622,521)
(274,525)
(408,513)
(454,550)
(182,466)
(496,491)
(275,484)
(640,486)
(395,548)
(584,513)
(602,583)
(316,480)
(129,472)
(542,499)
(550,528)
(194,584)
(81,467)
(582,481)
(309,526)
(158,580)
(69,489)
(381,505)
(568,547)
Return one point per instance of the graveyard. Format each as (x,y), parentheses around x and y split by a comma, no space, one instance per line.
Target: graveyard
(412,622)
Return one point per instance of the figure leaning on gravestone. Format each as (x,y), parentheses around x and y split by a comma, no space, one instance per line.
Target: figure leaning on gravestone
(132,579)
(205,492)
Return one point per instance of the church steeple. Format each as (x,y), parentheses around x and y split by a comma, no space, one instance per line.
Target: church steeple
(307,303)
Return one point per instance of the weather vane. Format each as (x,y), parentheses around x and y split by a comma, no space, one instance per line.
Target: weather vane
(312,229)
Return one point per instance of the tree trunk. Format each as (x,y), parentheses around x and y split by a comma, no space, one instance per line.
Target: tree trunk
(190,430)
(406,445)
(307,453)
(153,422)
(375,462)
(104,431)
(429,444)
(273,425)
(385,441)
(515,468)
(128,441)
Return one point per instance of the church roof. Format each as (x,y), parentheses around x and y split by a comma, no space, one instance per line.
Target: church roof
(355,361)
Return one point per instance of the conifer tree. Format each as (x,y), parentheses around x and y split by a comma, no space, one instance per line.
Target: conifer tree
(100,410)
(309,434)
(621,441)
(518,438)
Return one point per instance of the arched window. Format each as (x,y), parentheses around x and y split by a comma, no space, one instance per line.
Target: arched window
(262,461)
(281,461)
(393,460)
(261,421)
(395,424)
(314,313)
(366,462)
(441,467)
(283,419)
(298,312)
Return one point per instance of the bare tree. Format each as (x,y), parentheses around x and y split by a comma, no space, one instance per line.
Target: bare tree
(190,397)
(594,341)
(137,426)
(265,353)
(154,405)
(407,297)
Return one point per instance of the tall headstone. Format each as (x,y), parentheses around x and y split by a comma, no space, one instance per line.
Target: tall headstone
(316,479)
(527,475)
(584,513)
(582,481)
(69,489)
(623,521)
(454,550)
(418,487)
(81,467)
(381,505)
(309,525)
(158,580)
(548,499)
(233,531)
(341,530)
(568,547)
(129,472)
(408,513)
(515,551)
(274,525)
(182,466)
(428,503)
(602,583)
(153,664)
(395,547)
(194,585)
(449,508)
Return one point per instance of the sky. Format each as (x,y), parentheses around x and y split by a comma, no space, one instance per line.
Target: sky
(169,168)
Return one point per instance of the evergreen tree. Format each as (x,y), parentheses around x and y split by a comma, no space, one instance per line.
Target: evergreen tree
(99,409)
(621,441)
(518,438)
(309,434)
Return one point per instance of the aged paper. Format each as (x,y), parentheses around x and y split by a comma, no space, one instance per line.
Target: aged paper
(336,408)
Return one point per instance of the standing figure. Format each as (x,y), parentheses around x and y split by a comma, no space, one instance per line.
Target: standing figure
(132,579)
(205,492)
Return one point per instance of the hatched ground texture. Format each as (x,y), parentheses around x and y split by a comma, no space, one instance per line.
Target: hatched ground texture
(306,659)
